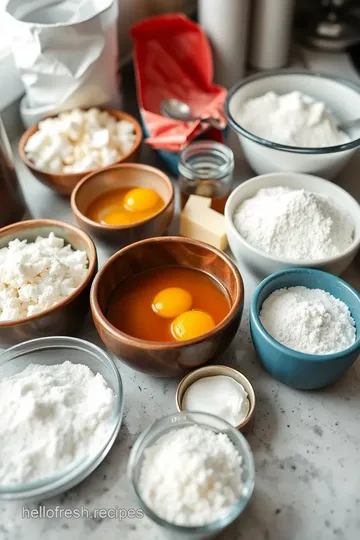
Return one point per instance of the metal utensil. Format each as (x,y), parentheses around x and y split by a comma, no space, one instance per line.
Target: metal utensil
(178,110)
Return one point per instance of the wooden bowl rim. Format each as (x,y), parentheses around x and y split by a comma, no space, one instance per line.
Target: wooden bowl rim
(164,345)
(120,115)
(101,227)
(92,258)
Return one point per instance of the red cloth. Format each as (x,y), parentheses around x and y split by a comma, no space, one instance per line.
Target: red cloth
(173,60)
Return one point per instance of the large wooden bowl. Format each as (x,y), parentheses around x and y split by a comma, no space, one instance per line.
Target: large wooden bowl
(64,183)
(68,316)
(166,359)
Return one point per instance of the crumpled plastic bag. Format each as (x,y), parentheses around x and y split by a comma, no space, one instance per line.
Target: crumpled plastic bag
(173,60)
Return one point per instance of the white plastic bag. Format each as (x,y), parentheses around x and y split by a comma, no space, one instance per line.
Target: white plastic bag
(66,52)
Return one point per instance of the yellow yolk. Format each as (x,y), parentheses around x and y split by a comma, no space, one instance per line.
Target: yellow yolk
(140,199)
(191,324)
(116,217)
(171,302)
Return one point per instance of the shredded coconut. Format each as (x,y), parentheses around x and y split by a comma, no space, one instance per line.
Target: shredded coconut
(35,276)
(308,320)
(294,119)
(50,416)
(191,476)
(294,224)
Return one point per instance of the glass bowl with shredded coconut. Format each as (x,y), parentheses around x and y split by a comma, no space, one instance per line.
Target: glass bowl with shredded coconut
(61,405)
(192,473)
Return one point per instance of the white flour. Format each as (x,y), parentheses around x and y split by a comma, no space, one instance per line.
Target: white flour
(294,119)
(50,416)
(308,320)
(294,224)
(191,476)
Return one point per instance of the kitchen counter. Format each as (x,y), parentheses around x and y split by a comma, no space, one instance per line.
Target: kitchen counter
(306,444)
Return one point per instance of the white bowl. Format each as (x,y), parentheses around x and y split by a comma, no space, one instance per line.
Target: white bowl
(340,95)
(264,264)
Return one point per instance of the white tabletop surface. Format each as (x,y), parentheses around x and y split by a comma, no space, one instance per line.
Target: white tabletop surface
(306,444)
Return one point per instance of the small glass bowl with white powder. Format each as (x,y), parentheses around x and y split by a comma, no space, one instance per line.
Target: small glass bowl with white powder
(192,474)
(45,417)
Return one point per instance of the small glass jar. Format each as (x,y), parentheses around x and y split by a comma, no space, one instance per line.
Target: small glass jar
(206,168)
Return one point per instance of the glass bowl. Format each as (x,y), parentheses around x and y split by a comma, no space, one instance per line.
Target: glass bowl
(51,351)
(181,420)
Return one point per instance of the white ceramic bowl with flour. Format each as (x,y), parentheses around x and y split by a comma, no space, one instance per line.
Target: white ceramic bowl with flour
(263,263)
(342,98)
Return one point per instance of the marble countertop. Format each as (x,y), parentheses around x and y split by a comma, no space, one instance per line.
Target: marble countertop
(306,444)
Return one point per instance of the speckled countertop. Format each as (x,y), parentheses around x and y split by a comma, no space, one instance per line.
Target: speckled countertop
(306,444)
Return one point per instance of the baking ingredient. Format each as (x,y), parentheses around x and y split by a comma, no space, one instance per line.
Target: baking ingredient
(50,417)
(35,276)
(220,395)
(131,308)
(293,119)
(171,302)
(294,224)
(191,476)
(308,320)
(200,222)
(79,141)
(124,206)
(191,324)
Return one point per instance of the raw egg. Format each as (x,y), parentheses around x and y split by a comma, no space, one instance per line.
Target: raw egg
(191,324)
(171,302)
(140,199)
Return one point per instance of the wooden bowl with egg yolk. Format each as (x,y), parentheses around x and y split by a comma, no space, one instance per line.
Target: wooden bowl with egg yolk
(130,175)
(64,183)
(167,359)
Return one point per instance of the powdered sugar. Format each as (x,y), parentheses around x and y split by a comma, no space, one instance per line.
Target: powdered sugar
(191,476)
(294,224)
(308,320)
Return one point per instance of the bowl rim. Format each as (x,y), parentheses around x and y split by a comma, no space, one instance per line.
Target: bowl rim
(208,371)
(234,511)
(101,227)
(92,261)
(73,176)
(306,357)
(101,319)
(352,144)
(78,471)
(273,258)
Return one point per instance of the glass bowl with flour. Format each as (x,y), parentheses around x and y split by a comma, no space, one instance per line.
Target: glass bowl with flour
(281,220)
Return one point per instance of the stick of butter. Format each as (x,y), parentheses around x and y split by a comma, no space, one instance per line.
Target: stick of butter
(200,222)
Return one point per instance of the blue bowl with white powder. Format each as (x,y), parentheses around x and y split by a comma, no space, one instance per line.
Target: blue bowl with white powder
(304,338)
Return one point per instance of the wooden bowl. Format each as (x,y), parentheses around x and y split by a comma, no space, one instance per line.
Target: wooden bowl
(117,176)
(64,183)
(66,317)
(166,359)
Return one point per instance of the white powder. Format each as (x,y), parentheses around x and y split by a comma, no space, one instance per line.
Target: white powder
(50,416)
(34,276)
(294,224)
(293,119)
(308,320)
(191,476)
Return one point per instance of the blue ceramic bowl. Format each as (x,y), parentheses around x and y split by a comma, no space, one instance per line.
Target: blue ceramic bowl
(301,370)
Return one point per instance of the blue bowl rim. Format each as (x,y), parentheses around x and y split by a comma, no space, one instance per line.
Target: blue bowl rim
(306,357)
(352,144)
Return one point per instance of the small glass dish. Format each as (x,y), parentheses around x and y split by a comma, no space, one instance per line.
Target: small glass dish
(181,420)
(51,351)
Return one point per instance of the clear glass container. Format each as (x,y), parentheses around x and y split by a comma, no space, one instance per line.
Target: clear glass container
(181,420)
(56,350)
(206,168)
(12,202)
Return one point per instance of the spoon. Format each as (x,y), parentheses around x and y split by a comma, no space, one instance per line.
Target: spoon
(178,110)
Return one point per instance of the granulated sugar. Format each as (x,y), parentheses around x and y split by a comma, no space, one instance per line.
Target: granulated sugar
(294,224)
(308,320)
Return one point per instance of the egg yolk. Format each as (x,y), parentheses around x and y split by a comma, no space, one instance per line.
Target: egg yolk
(171,302)
(116,217)
(140,199)
(191,324)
